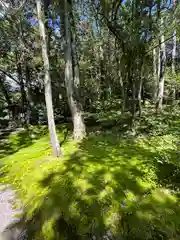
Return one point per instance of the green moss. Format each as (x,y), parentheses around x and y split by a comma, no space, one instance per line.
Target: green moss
(104,182)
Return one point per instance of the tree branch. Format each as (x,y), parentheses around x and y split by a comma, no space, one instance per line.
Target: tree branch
(9,75)
(167,39)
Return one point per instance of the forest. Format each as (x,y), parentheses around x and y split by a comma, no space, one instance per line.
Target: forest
(90,119)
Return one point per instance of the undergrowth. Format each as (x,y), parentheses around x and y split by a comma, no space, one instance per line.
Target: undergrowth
(107,184)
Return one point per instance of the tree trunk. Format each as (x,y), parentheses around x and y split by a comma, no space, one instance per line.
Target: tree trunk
(133,100)
(174,44)
(23,93)
(162,72)
(29,98)
(47,84)
(155,74)
(72,80)
(47,29)
(159,63)
(174,51)
(102,74)
(122,94)
(140,92)
(174,59)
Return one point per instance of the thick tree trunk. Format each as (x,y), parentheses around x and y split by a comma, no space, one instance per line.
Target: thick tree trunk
(162,72)
(47,84)
(72,80)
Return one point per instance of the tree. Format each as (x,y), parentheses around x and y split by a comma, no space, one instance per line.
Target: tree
(108,48)
(174,42)
(162,61)
(72,80)
(47,84)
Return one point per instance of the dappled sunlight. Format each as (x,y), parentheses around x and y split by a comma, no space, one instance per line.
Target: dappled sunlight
(159,211)
(103,183)
(99,177)
(90,119)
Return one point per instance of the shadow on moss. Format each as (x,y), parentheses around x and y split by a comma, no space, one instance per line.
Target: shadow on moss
(109,187)
(13,141)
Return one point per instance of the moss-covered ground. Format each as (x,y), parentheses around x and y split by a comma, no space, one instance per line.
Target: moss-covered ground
(126,186)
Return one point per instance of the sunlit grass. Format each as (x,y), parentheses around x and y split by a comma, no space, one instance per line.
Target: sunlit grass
(104,182)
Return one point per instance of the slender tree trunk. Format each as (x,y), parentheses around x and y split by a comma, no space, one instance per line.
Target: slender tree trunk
(122,94)
(174,51)
(140,92)
(133,100)
(72,81)
(174,59)
(155,74)
(29,98)
(174,44)
(47,29)
(159,49)
(123,102)
(162,72)
(159,62)
(47,85)
(102,73)
(23,92)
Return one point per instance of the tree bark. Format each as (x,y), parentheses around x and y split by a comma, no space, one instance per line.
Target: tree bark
(140,92)
(162,71)
(23,92)
(123,95)
(29,98)
(155,74)
(47,85)
(174,43)
(120,77)
(174,51)
(72,80)
(159,62)
(133,100)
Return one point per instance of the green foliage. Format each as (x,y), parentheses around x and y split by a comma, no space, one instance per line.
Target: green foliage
(104,183)
(124,180)
(159,124)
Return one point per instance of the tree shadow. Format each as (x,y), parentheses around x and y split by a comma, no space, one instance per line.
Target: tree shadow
(13,140)
(108,188)
(4,143)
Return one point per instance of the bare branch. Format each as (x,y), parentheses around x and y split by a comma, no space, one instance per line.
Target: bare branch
(9,75)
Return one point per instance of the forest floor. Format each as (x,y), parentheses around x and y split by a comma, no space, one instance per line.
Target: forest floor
(116,182)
